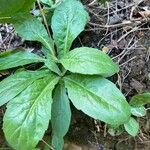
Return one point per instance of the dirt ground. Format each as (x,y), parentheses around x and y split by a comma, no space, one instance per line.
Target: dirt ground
(121,28)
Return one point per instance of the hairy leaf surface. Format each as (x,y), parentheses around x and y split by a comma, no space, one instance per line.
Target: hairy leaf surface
(61,115)
(27,116)
(32,29)
(132,127)
(98,98)
(16,83)
(86,60)
(140,99)
(18,58)
(68,21)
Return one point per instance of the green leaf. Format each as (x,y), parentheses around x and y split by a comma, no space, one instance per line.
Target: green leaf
(140,99)
(9,8)
(16,83)
(50,62)
(138,111)
(27,116)
(132,127)
(18,58)
(98,97)
(52,66)
(61,115)
(47,2)
(32,29)
(68,22)
(86,60)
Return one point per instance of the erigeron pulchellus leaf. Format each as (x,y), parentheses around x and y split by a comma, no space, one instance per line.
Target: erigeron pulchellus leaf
(98,97)
(91,61)
(27,116)
(61,118)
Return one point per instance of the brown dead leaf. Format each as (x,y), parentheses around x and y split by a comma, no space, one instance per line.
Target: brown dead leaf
(105,49)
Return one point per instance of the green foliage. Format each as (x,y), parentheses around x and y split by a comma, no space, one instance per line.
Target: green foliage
(138,111)
(36,97)
(98,62)
(18,58)
(11,8)
(51,3)
(110,107)
(67,26)
(61,118)
(32,29)
(16,83)
(132,127)
(140,99)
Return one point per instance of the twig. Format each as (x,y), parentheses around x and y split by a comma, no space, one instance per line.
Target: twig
(44,18)
(127,61)
(48,145)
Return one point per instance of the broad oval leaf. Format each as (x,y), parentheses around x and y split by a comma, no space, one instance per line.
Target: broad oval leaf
(68,22)
(86,60)
(17,58)
(27,116)
(98,98)
(16,83)
(61,116)
(140,99)
(138,111)
(132,127)
(32,29)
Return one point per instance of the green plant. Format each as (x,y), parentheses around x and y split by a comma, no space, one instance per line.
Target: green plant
(36,97)
(51,3)
(137,103)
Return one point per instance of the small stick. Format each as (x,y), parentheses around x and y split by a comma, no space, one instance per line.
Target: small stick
(44,18)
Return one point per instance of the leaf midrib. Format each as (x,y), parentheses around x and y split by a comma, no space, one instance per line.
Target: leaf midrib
(92,93)
(27,115)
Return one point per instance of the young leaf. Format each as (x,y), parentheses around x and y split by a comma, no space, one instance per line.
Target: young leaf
(27,116)
(61,115)
(52,66)
(15,84)
(138,111)
(50,62)
(68,21)
(18,58)
(140,99)
(86,60)
(98,97)
(132,127)
(32,29)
